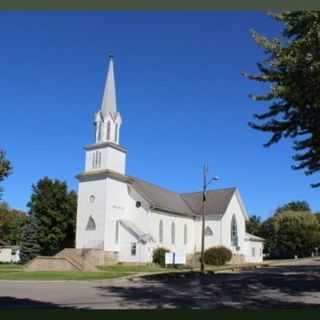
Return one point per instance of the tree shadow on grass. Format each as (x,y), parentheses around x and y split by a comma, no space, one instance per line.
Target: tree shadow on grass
(24,303)
(271,288)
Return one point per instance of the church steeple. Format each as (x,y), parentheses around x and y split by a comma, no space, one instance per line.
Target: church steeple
(109,101)
(108,119)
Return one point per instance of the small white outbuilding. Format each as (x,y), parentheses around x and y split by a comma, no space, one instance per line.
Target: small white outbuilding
(9,253)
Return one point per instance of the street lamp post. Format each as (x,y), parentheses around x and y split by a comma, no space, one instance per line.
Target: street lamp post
(204,200)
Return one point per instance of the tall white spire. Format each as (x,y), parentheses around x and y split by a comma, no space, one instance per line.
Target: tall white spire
(109,103)
(108,119)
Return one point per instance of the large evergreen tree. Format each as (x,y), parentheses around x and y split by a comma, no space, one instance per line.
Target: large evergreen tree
(5,167)
(54,209)
(30,247)
(292,70)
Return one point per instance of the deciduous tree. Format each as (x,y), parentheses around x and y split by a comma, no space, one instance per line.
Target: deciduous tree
(253,225)
(5,167)
(294,206)
(292,71)
(11,224)
(291,233)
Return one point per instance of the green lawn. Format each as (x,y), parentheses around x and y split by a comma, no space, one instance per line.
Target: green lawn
(132,268)
(59,275)
(10,267)
(15,272)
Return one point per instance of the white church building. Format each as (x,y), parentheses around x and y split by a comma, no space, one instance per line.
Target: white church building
(128,217)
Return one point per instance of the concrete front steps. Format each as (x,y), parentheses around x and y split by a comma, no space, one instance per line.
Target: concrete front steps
(72,260)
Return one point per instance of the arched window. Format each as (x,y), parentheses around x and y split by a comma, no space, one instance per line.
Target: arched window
(117,231)
(116,133)
(161,231)
(91,225)
(108,130)
(208,231)
(234,232)
(173,233)
(185,234)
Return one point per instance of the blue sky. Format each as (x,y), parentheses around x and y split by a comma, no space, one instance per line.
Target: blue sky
(180,93)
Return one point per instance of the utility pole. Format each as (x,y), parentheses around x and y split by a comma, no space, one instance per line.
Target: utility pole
(204,209)
(205,173)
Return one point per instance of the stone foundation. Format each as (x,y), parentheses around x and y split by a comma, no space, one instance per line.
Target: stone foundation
(73,260)
(51,264)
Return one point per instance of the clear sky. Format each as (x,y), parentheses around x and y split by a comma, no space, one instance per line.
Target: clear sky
(180,93)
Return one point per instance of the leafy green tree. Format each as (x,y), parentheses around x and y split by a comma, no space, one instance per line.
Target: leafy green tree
(294,206)
(269,231)
(54,209)
(291,233)
(11,224)
(253,225)
(292,71)
(30,247)
(5,168)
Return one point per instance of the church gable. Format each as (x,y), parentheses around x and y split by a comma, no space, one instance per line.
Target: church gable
(236,199)
(217,201)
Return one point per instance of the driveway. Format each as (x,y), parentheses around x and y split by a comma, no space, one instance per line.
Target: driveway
(293,286)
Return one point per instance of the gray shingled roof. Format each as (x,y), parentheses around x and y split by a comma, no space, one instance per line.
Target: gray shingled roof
(160,198)
(184,203)
(216,204)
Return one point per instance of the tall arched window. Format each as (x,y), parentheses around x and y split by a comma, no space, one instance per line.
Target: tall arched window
(185,234)
(91,225)
(116,133)
(161,231)
(173,233)
(234,232)
(108,130)
(117,231)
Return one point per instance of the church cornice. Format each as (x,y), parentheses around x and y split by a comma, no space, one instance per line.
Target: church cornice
(101,174)
(105,144)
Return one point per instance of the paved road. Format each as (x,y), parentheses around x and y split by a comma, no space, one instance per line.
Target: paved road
(294,286)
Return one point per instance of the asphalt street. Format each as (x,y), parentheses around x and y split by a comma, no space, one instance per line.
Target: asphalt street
(288,286)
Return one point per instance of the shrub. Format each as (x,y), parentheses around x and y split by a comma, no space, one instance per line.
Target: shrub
(159,256)
(217,255)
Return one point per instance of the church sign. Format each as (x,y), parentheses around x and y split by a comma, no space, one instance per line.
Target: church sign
(175,258)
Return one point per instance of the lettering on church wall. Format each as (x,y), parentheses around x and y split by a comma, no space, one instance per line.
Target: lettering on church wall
(118,207)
